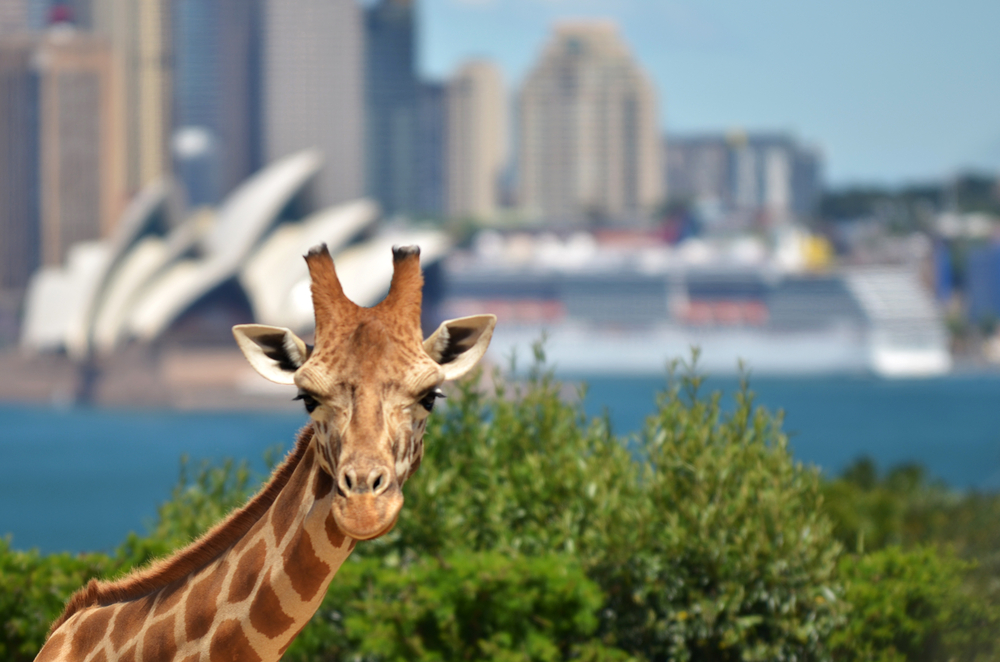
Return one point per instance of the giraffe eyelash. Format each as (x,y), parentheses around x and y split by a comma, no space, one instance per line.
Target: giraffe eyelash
(308,400)
(427,402)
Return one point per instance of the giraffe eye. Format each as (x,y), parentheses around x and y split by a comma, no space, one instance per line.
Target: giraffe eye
(427,402)
(309,401)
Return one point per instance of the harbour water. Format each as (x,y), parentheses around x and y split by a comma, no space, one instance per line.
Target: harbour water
(81,479)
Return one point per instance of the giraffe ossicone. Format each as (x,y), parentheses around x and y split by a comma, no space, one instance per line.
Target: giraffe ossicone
(245,589)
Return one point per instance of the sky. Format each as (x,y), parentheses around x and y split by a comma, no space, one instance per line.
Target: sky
(891,92)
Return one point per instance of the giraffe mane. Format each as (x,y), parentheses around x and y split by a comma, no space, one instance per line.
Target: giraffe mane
(198,554)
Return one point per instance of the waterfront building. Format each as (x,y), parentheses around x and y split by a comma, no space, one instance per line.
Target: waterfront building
(139,33)
(61,179)
(391,97)
(744,179)
(19,220)
(431,146)
(81,180)
(477,139)
(20,16)
(13,17)
(589,146)
(215,96)
(983,278)
(313,90)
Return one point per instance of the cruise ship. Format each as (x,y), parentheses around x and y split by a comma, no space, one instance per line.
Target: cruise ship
(634,310)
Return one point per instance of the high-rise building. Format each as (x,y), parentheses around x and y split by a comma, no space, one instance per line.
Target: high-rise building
(477,139)
(19,16)
(743,179)
(13,17)
(139,32)
(313,89)
(61,176)
(20,250)
(431,146)
(214,95)
(81,180)
(589,146)
(391,91)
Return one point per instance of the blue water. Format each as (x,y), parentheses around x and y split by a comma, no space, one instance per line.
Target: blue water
(950,425)
(81,479)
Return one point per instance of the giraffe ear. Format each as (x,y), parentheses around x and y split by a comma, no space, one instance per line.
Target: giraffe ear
(274,352)
(458,344)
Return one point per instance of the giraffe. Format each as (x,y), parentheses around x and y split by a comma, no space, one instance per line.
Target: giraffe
(245,589)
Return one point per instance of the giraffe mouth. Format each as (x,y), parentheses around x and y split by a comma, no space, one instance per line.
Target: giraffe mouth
(367,516)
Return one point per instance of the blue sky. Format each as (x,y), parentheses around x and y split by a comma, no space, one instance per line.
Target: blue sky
(891,91)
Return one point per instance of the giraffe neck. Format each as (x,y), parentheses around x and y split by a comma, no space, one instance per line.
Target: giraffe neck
(248,603)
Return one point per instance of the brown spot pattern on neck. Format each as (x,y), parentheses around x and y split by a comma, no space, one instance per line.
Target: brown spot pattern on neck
(196,555)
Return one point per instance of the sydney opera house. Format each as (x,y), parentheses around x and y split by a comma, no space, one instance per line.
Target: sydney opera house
(169,280)
(158,277)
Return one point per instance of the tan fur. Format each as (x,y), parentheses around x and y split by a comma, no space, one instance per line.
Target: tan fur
(405,298)
(333,309)
(248,586)
(193,557)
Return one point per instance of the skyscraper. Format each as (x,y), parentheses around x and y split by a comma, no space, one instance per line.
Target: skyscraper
(477,139)
(313,88)
(61,177)
(13,17)
(431,148)
(19,16)
(391,105)
(589,146)
(139,32)
(80,140)
(20,250)
(214,95)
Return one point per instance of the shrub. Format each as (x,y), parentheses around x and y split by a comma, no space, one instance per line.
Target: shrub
(467,606)
(904,507)
(33,589)
(707,540)
(736,558)
(911,605)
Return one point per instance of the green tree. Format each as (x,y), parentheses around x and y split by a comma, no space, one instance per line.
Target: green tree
(913,605)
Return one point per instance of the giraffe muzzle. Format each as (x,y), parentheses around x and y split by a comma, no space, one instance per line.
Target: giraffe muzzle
(368,500)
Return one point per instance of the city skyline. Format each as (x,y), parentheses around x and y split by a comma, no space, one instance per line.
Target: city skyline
(891,93)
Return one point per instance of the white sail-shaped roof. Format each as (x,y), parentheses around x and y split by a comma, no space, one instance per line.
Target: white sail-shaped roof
(275,268)
(243,220)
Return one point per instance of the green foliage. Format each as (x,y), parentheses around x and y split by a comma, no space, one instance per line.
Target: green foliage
(911,605)
(467,606)
(519,471)
(33,589)
(904,507)
(736,559)
(872,511)
(533,533)
(714,545)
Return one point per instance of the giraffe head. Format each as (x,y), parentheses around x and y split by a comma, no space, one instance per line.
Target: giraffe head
(369,383)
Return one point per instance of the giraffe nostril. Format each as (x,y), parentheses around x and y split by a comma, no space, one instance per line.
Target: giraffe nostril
(375,480)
